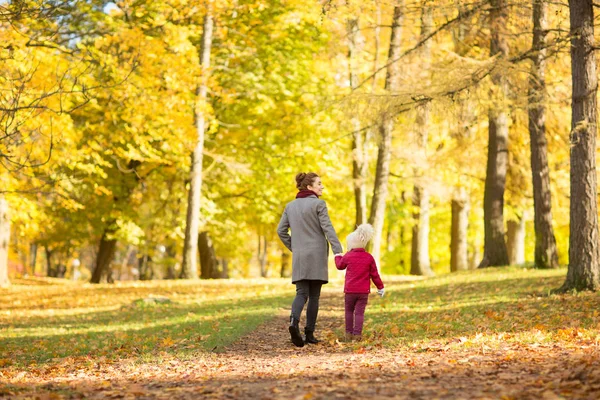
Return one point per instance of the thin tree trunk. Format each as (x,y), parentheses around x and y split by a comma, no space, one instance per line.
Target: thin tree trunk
(144,267)
(359,153)
(125,261)
(4,241)
(460,204)
(584,267)
(494,246)
(106,253)
(285,262)
(458,240)
(515,236)
(189,267)
(420,263)
(403,234)
(170,251)
(419,260)
(208,257)
(382,171)
(33,249)
(262,255)
(545,244)
(224,269)
(48,254)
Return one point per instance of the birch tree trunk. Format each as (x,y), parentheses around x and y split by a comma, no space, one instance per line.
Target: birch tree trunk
(420,263)
(494,246)
(382,171)
(584,268)
(545,243)
(4,241)
(189,266)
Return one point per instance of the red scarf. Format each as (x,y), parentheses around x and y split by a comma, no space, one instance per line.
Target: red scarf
(306,193)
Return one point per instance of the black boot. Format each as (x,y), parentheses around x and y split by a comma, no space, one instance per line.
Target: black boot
(295,333)
(310,337)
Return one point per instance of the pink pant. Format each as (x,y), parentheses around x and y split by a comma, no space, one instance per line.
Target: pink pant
(355,312)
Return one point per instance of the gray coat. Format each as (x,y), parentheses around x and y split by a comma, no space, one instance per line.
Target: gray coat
(311,229)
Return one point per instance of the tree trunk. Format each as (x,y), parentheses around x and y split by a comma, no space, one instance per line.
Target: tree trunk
(359,145)
(208,257)
(382,171)
(33,249)
(189,267)
(584,268)
(224,273)
(4,241)
(458,239)
(545,244)
(420,263)
(262,255)
(125,261)
(403,234)
(106,253)
(515,237)
(50,270)
(144,267)
(171,262)
(494,246)
(285,262)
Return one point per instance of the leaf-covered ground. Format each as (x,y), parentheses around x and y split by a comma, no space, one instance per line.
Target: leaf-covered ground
(485,334)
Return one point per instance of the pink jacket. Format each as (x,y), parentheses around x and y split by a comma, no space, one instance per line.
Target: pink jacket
(360,269)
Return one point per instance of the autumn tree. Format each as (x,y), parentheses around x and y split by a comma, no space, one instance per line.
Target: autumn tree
(494,251)
(420,263)
(386,129)
(584,257)
(189,267)
(545,243)
(359,133)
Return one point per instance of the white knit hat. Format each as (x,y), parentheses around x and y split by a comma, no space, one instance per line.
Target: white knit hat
(360,237)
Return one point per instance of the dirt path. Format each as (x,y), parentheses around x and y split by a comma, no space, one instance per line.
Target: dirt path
(265,365)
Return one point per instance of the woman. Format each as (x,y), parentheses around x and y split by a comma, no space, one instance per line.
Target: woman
(311,230)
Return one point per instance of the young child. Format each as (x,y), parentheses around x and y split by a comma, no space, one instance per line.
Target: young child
(360,270)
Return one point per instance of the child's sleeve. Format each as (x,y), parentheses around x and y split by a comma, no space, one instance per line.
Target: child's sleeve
(375,275)
(341,262)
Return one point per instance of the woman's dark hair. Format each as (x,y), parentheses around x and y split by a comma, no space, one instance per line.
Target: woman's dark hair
(303,180)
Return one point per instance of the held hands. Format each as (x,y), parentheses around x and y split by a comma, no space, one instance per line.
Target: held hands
(381,292)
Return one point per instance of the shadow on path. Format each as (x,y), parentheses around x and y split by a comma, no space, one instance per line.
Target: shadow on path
(265,365)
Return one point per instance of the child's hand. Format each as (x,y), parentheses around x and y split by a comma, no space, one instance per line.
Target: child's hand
(381,292)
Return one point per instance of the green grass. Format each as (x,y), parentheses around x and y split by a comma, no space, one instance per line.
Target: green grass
(490,307)
(42,323)
(45,321)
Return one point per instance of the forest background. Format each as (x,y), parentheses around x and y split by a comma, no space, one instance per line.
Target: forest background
(149,140)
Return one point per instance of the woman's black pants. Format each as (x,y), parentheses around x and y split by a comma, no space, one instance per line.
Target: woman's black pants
(307,291)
